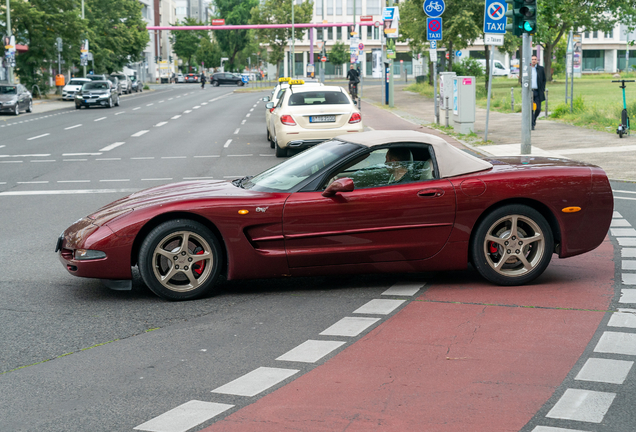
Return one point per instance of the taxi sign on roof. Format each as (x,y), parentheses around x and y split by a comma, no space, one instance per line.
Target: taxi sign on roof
(284,79)
(296,82)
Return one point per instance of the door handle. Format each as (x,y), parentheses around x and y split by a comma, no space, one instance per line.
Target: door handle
(431,193)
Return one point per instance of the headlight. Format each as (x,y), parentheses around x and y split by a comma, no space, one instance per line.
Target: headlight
(88,254)
(103,96)
(79,96)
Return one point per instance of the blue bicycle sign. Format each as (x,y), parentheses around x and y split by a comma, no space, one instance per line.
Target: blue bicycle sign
(434,8)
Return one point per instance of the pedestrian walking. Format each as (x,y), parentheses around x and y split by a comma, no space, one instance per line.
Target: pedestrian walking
(202,80)
(538,88)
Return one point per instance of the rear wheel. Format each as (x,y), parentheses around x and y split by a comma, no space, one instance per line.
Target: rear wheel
(215,83)
(180,260)
(280,152)
(512,246)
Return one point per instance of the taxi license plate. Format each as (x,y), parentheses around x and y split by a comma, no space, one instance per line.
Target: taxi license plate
(322,119)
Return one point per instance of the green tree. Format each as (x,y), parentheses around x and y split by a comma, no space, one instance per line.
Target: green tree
(208,53)
(235,12)
(37,24)
(116,32)
(555,18)
(338,55)
(185,43)
(279,12)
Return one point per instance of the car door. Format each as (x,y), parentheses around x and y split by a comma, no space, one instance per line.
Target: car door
(385,223)
(23,99)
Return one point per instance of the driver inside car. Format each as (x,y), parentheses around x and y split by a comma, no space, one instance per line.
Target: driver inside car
(397,161)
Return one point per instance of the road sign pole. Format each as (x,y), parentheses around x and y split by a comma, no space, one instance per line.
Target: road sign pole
(526,96)
(9,69)
(436,110)
(492,63)
(391,104)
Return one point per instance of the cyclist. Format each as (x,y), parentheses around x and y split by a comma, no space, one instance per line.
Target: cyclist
(354,78)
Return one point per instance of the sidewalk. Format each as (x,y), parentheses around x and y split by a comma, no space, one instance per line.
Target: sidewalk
(550,138)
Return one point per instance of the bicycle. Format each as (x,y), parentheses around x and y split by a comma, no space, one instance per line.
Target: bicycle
(433,6)
(353,90)
(623,127)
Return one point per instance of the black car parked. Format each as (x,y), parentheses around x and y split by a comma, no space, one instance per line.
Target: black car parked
(226,78)
(97,93)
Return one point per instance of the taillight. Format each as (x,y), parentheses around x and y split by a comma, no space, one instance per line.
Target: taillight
(271,110)
(287,120)
(355,118)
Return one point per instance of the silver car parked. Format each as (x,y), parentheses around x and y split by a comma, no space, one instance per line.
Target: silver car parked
(14,98)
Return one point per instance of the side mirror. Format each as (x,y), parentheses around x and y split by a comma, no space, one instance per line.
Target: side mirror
(340,185)
(266,99)
(269,105)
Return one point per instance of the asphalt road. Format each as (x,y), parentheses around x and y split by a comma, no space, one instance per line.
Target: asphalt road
(76,356)
(60,166)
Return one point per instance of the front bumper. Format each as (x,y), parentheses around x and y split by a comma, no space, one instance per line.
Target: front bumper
(92,102)
(8,108)
(297,138)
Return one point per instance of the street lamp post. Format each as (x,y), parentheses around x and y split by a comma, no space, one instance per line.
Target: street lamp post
(9,69)
(82,19)
(293,53)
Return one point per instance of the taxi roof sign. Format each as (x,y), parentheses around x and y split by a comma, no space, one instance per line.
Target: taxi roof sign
(296,82)
(284,79)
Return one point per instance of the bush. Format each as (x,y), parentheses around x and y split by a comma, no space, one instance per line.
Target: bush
(468,67)
(561,110)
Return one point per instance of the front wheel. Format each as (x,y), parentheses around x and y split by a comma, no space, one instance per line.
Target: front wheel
(16,111)
(215,83)
(512,245)
(30,107)
(180,260)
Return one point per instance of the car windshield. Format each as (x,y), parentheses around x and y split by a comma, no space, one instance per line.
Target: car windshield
(319,98)
(95,77)
(287,175)
(8,90)
(95,86)
(76,82)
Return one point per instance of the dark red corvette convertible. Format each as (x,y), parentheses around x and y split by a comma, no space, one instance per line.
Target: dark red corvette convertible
(381,201)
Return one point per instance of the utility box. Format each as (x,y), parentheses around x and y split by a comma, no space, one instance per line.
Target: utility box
(446,89)
(463,104)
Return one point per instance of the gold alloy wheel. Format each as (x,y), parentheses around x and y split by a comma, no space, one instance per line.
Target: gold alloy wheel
(514,245)
(182,261)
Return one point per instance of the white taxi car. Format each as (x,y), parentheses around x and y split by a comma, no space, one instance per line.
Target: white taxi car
(277,93)
(308,115)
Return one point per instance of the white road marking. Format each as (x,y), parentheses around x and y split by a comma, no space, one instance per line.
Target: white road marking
(81,154)
(616,214)
(208,156)
(39,136)
(605,370)
(628,252)
(135,109)
(349,326)
(33,182)
(266,155)
(73,181)
(227,143)
(68,192)
(74,160)
(108,159)
(618,223)
(26,155)
(198,178)
(629,279)
(150,104)
(161,124)
(256,381)
(170,99)
(582,405)
(112,146)
(404,289)
(240,155)
(157,179)
(176,117)
(625,198)
(140,133)
(237,131)
(623,232)
(184,417)
(162,101)
(114,180)
(73,127)
(11,161)
(626,241)
(247,115)
(628,265)
(310,351)
(623,318)
(204,103)
(379,307)
(554,429)
(120,112)
(43,160)
(173,157)
(142,158)
(617,343)
(252,110)
(196,107)
(243,122)
(187,111)
(100,119)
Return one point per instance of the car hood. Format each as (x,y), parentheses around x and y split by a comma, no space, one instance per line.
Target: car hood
(72,87)
(171,194)
(95,92)
(7,98)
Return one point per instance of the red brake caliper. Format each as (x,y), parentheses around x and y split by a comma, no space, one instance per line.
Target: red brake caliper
(493,247)
(198,266)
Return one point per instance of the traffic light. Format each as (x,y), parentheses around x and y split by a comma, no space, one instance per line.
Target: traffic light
(529,12)
(170,59)
(514,12)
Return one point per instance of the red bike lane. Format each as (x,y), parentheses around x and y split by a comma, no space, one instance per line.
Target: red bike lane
(464,356)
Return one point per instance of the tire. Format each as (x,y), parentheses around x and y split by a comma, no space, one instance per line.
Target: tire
(215,83)
(30,107)
(495,256)
(240,83)
(117,101)
(161,255)
(620,134)
(16,111)
(280,152)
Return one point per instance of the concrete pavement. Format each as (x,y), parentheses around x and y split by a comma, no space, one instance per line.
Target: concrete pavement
(550,138)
